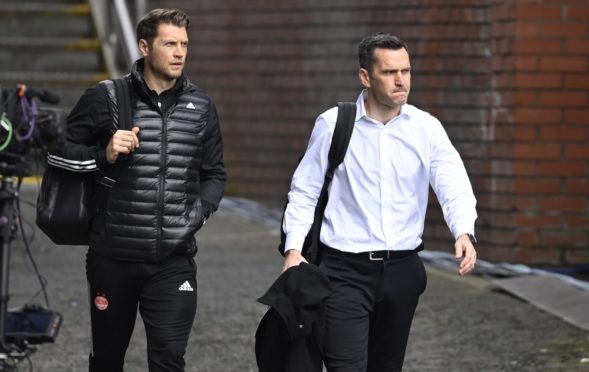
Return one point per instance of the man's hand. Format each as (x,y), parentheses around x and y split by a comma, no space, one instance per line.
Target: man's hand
(465,251)
(292,258)
(122,142)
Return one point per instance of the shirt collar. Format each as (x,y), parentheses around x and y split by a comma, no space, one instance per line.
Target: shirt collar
(361,108)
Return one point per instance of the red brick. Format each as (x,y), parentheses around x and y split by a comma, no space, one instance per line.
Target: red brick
(576,81)
(525,98)
(502,12)
(538,80)
(536,151)
(526,29)
(577,151)
(563,204)
(578,221)
(564,239)
(508,63)
(502,80)
(506,133)
(563,99)
(563,134)
(563,64)
(495,201)
(535,186)
(525,203)
(536,256)
(527,238)
(497,150)
(524,168)
(479,167)
(577,256)
(534,12)
(492,184)
(536,115)
(564,29)
(499,218)
(580,46)
(537,46)
(524,63)
(542,220)
(578,13)
(497,253)
(562,168)
(501,46)
(503,236)
(577,187)
(524,134)
(502,30)
(501,116)
(575,116)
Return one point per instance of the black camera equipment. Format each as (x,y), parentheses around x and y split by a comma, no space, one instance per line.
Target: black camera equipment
(24,128)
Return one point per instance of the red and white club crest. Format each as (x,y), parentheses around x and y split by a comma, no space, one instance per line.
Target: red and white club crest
(100,301)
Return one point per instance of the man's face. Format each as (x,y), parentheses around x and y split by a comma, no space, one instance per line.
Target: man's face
(166,55)
(389,81)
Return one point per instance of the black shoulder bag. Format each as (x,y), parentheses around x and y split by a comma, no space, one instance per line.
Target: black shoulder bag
(67,200)
(346,116)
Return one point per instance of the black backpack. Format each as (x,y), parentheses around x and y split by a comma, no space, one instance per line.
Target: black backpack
(344,126)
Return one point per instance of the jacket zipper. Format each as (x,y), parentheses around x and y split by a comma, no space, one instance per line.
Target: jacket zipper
(162,179)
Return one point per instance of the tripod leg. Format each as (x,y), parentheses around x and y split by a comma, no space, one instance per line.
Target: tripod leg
(6,222)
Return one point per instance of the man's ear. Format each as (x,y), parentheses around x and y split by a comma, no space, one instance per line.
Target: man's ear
(143,47)
(364,77)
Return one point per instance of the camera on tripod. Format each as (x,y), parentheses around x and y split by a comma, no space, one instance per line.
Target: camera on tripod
(25,128)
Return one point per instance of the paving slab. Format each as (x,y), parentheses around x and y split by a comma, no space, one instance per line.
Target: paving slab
(551,294)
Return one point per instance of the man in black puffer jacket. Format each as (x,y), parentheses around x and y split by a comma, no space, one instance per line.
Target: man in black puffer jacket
(170,177)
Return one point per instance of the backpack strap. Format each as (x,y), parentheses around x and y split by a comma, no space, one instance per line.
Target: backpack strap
(344,126)
(123,103)
(125,122)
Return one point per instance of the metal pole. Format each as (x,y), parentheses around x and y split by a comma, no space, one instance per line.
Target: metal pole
(127,29)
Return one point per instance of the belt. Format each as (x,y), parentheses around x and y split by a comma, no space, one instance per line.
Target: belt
(376,255)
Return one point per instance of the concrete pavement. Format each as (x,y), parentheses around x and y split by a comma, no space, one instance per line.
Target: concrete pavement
(462,324)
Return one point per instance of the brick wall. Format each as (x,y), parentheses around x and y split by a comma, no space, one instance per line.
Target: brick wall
(508,79)
(540,51)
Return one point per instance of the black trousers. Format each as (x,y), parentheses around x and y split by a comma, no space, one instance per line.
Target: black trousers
(164,292)
(370,310)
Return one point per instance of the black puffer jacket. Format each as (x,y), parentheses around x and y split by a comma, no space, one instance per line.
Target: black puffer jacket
(168,186)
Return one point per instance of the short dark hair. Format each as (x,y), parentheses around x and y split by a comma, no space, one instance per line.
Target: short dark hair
(148,25)
(380,40)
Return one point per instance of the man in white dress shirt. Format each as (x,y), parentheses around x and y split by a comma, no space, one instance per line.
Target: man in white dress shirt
(373,223)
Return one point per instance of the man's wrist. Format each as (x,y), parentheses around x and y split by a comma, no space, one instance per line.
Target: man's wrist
(470,237)
(292,251)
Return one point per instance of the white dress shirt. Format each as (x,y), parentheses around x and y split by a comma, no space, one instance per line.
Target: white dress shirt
(379,194)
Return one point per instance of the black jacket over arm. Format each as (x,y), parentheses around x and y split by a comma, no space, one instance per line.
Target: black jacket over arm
(289,337)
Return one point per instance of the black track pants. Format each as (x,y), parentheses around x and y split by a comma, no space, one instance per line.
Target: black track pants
(164,292)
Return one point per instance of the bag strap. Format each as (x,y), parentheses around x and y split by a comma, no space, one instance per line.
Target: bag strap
(123,103)
(344,126)
(123,107)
